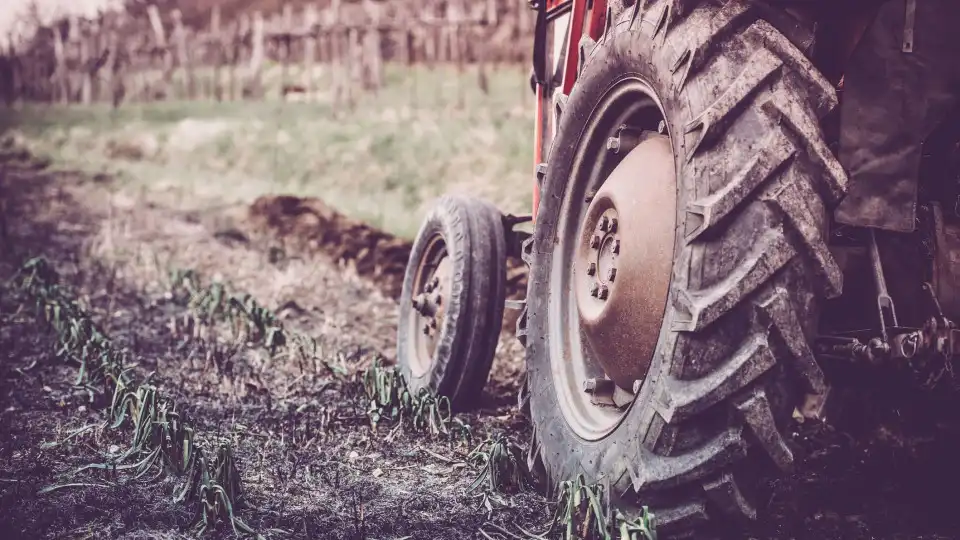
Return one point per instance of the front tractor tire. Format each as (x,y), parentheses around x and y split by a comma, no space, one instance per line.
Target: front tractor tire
(451,304)
(689,160)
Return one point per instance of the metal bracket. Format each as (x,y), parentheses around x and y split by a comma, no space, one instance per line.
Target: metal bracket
(909,22)
(883,297)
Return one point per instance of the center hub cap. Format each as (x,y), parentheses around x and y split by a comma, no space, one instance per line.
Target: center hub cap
(624,261)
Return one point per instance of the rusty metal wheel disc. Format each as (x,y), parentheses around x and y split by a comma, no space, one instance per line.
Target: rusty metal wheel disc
(431,295)
(611,272)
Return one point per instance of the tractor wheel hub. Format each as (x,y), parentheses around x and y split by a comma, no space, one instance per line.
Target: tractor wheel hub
(624,261)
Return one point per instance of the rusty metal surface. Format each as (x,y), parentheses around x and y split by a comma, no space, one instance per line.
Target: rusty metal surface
(624,261)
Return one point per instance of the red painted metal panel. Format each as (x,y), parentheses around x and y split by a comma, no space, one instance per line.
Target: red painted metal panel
(598,18)
(577,17)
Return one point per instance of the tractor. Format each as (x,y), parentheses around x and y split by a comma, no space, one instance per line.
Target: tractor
(709,233)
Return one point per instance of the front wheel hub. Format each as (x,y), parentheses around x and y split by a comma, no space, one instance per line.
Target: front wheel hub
(624,261)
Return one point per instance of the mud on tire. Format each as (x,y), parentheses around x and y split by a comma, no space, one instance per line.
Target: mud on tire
(755,185)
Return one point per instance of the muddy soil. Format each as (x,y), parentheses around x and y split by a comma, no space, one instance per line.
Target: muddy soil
(311,465)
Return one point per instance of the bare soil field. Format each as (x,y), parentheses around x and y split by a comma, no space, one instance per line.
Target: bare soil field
(311,464)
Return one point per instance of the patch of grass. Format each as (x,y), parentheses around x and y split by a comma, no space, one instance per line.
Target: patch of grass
(383,162)
(250,322)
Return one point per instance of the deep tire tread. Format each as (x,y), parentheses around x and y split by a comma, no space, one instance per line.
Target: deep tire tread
(790,179)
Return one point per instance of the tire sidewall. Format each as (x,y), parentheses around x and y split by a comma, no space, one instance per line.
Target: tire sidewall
(624,55)
(446,220)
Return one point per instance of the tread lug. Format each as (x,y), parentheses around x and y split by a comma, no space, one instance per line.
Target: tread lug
(750,361)
(759,69)
(756,412)
(707,305)
(725,494)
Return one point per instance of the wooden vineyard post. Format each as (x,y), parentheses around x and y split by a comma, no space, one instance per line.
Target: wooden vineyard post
(286,42)
(372,53)
(216,41)
(337,53)
(159,48)
(237,56)
(13,65)
(179,37)
(257,52)
(416,43)
(456,10)
(61,88)
(112,71)
(309,48)
(86,90)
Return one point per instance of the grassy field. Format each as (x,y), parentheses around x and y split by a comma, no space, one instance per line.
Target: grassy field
(425,133)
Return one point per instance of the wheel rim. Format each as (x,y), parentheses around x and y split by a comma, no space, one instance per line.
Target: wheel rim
(611,267)
(431,289)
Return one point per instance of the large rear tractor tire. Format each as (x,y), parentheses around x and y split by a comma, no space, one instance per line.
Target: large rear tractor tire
(678,260)
(451,305)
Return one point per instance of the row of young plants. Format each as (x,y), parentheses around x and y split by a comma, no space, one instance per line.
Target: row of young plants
(389,400)
(583,510)
(164,441)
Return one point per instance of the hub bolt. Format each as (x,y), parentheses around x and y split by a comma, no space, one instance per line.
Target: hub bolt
(604,224)
(595,242)
(611,274)
(603,293)
(613,225)
(613,144)
(616,246)
(435,283)
(433,322)
(417,304)
(594,290)
(426,329)
(592,269)
(596,385)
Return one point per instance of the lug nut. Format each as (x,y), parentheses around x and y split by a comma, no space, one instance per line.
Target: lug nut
(662,127)
(592,269)
(616,247)
(603,293)
(435,283)
(590,195)
(417,304)
(433,322)
(595,242)
(604,224)
(594,290)
(426,329)
(613,144)
(613,225)
(611,274)
(438,299)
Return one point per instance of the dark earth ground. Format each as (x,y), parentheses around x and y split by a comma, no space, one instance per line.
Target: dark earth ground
(311,465)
